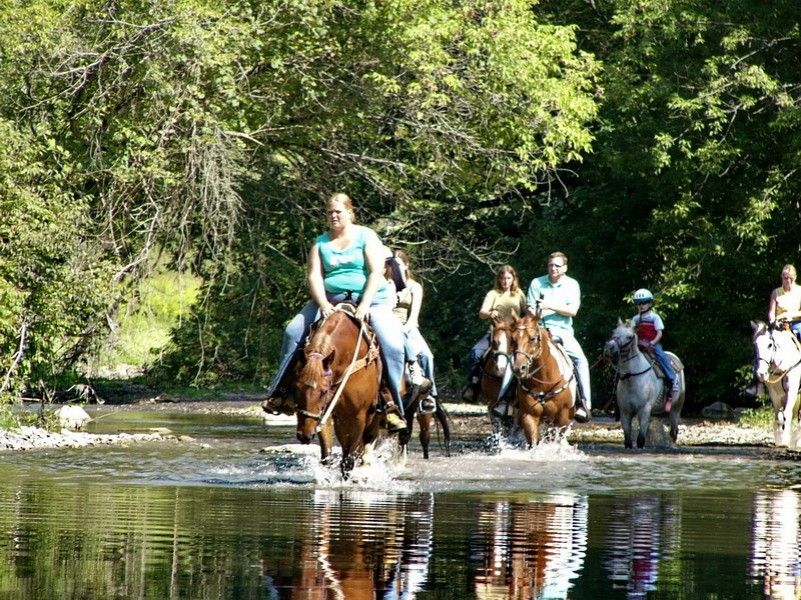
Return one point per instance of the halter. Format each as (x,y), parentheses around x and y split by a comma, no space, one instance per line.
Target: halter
(778,374)
(625,355)
(543,396)
(530,358)
(355,365)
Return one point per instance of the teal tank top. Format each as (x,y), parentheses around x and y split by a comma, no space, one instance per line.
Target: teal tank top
(347,270)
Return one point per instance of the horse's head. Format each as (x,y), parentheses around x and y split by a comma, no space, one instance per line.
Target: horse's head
(315,390)
(622,342)
(528,341)
(500,346)
(767,349)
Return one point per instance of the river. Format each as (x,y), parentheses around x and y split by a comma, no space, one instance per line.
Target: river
(239,511)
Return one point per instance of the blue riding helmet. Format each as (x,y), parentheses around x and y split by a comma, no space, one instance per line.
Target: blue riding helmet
(642,296)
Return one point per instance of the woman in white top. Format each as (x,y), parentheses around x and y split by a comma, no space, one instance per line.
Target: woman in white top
(407,309)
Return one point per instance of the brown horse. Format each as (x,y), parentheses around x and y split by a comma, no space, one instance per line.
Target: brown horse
(411,409)
(494,366)
(340,376)
(546,389)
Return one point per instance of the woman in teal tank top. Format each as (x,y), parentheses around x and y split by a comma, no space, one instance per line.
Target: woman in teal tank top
(346,262)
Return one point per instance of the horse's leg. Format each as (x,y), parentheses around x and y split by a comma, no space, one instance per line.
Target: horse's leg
(531,428)
(675,412)
(644,417)
(425,431)
(784,415)
(626,414)
(326,437)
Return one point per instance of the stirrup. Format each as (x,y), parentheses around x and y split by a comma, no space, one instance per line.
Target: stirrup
(581,415)
(428,405)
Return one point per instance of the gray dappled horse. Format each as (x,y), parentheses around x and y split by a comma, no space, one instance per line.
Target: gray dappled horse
(640,389)
(777,362)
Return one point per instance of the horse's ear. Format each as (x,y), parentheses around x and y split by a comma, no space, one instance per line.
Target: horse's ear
(619,321)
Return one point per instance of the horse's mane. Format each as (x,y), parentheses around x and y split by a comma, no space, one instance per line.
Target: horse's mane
(760,328)
(320,343)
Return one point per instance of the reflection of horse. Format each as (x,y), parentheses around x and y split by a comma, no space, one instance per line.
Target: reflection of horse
(546,380)
(775,542)
(777,356)
(642,531)
(530,549)
(411,409)
(339,374)
(640,390)
(341,559)
(496,374)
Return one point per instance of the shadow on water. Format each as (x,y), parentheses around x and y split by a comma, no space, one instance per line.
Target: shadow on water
(218,517)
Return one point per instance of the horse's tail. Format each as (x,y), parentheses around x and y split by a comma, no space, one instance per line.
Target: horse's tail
(444,420)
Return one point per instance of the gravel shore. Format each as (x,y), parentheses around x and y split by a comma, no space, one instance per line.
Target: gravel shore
(467,420)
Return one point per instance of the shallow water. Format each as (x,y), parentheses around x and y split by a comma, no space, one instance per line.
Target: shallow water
(219,517)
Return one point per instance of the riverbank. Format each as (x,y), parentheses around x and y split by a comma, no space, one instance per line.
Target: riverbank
(468,420)
(33,438)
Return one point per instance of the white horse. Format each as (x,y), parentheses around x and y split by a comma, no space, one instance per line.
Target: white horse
(640,390)
(777,356)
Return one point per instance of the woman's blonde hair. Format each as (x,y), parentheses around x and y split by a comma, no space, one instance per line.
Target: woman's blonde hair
(791,269)
(503,271)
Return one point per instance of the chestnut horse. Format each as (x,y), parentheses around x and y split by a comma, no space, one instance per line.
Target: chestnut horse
(340,375)
(496,366)
(546,379)
(411,409)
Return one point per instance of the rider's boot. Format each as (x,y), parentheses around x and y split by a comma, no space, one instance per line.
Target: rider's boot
(415,373)
(470,391)
(280,402)
(501,408)
(394,422)
(582,414)
(392,419)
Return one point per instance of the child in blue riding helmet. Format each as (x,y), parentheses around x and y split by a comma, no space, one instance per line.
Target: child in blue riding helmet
(650,328)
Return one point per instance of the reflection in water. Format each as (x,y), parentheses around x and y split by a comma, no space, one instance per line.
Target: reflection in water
(362,544)
(775,545)
(642,529)
(530,550)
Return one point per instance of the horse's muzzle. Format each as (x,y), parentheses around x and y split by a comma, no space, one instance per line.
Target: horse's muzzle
(304,438)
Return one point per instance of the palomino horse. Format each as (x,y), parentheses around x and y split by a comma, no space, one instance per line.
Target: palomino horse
(339,377)
(777,355)
(640,390)
(546,380)
(496,372)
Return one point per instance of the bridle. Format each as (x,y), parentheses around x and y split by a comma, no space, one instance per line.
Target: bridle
(535,338)
(328,375)
(625,355)
(773,368)
(545,395)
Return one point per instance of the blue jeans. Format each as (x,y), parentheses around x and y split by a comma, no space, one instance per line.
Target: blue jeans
(386,329)
(576,354)
(664,362)
(476,352)
(417,349)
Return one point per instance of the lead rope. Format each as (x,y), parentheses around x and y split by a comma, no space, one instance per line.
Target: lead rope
(330,408)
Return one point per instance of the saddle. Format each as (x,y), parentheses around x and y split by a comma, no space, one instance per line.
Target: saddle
(368,335)
(674,361)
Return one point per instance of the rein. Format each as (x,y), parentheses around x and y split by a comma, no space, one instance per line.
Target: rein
(330,408)
(781,374)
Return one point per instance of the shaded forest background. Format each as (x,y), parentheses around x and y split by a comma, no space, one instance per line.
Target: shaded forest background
(655,142)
